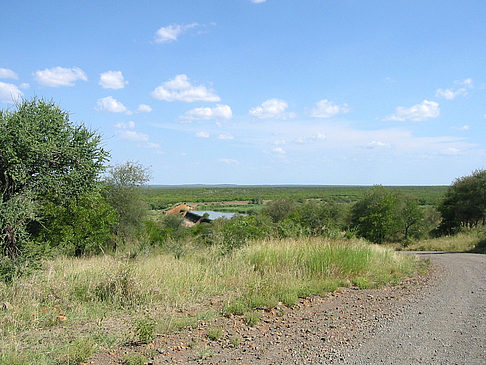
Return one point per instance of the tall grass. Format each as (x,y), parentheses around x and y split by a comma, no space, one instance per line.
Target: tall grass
(71,307)
(461,242)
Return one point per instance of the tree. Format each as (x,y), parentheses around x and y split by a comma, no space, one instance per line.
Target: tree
(44,158)
(123,183)
(374,216)
(464,204)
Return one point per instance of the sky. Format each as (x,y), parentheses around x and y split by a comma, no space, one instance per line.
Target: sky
(341,92)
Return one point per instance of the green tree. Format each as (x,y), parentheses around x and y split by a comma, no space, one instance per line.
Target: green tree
(375,216)
(44,158)
(123,193)
(464,204)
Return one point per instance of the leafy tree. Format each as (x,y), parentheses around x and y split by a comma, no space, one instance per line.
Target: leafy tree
(464,204)
(410,216)
(374,216)
(123,193)
(279,209)
(44,158)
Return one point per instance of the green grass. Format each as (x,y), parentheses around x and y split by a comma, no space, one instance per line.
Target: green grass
(102,300)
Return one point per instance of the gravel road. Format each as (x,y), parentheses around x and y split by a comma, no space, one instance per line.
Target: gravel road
(445,324)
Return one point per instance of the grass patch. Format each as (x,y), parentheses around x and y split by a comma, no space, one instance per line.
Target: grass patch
(104,297)
(461,242)
(252,319)
(214,333)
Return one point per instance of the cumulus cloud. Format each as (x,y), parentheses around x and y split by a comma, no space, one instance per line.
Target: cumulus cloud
(134,136)
(123,125)
(226,137)
(144,108)
(60,76)
(452,93)
(202,134)
(112,80)
(126,131)
(219,112)
(9,93)
(271,109)
(172,32)
(180,89)
(328,109)
(110,104)
(6,73)
(416,113)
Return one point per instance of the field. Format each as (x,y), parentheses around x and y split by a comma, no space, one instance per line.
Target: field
(161,197)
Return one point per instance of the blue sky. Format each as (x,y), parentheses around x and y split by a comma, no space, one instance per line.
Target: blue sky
(262,92)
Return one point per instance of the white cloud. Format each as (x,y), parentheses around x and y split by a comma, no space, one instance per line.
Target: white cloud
(420,112)
(123,125)
(229,161)
(180,89)
(278,150)
(258,1)
(202,134)
(112,80)
(144,108)
(450,93)
(153,145)
(378,144)
(219,112)
(226,137)
(172,32)
(9,93)
(328,109)
(24,85)
(272,108)
(6,73)
(134,136)
(110,104)
(60,76)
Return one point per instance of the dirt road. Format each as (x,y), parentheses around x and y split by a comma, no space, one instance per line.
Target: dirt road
(444,324)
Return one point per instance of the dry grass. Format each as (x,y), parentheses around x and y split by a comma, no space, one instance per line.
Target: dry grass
(73,307)
(462,242)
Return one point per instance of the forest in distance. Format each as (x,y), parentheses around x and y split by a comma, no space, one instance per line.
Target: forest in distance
(162,197)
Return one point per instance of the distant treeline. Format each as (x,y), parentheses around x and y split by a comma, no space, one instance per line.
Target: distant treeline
(161,197)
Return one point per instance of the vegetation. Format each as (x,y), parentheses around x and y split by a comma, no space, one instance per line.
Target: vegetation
(464,205)
(82,254)
(115,299)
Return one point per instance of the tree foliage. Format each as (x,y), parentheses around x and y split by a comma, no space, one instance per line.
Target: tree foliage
(123,193)
(44,158)
(384,215)
(464,204)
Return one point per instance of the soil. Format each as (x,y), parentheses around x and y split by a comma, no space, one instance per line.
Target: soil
(438,318)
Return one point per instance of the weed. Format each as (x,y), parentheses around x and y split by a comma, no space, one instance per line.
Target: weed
(237,307)
(134,358)
(252,319)
(214,333)
(235,341)
(144,329)
(77,351)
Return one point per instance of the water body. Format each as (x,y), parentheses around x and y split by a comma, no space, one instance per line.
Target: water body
(215,215)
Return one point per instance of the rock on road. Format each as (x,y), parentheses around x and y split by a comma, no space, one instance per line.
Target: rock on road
(445,324)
